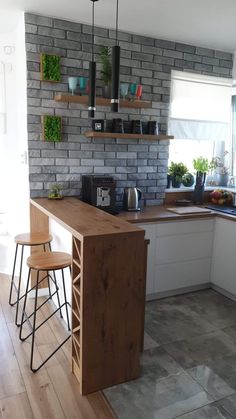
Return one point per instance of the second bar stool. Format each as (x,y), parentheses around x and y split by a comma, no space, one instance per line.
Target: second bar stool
(45,262)
(25,239)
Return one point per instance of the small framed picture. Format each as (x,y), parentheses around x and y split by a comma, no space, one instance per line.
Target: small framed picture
(98,125)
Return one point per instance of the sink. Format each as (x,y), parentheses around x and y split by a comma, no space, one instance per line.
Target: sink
(224,209)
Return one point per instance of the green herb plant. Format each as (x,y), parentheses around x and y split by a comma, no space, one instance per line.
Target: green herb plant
(52,128)
(203,165)
(55,191)
(50,67)
(105,56)
(177,171)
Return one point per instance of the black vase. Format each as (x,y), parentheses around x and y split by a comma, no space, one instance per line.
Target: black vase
(200,179)
(175,182)
(198,194)
(168,181)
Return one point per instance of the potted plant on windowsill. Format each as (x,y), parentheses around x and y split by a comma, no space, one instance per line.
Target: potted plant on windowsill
(221,170)
(177,171)
(105,56)
(202,166)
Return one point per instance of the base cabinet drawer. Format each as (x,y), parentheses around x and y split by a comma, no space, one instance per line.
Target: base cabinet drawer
(183,247)
(179,254)
(174,276)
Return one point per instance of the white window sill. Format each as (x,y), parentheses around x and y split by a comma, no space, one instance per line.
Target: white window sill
(191,189)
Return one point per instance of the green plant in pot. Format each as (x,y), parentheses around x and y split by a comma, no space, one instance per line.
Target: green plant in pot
(177,171)
(221,166)
(106,70)
(202,166)
(188,180)
(55,191)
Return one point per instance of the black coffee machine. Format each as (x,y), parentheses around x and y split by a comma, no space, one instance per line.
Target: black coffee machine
(99,191)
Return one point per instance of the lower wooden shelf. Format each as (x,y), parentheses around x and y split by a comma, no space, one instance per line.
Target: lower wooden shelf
(96,134)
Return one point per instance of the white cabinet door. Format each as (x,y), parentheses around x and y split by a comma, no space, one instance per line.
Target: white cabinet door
(224,255)
(150,233)
(179,255)
(183,255)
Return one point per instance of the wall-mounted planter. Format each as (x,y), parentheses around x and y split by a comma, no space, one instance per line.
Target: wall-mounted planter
(50,67)
(52,128)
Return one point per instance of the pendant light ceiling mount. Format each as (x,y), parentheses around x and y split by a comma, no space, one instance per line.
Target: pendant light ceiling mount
(92,74)
(115,82)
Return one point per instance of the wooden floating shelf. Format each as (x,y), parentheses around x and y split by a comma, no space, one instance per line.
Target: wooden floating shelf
(102,101)
(96,134)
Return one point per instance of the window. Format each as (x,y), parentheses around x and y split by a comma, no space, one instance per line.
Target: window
(200,116)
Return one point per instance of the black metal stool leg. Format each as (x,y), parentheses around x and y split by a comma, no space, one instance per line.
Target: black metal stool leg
(24,305)
(58,297)
(12,277)
(34,323)
(19,286)
(66,303)
(49,286)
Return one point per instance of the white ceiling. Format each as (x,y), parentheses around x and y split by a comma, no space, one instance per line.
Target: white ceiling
(207,23)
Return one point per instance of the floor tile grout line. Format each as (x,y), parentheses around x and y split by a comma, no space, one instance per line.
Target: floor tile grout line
(198,408)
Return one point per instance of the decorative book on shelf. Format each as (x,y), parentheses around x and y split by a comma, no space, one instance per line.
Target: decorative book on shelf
(101,101)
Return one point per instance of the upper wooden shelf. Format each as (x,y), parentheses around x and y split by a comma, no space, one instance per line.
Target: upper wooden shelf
(96,134)
(102,101)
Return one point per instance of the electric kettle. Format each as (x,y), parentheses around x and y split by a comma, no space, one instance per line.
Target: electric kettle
(131,199)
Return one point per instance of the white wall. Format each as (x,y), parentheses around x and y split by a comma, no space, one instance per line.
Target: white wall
(14,195)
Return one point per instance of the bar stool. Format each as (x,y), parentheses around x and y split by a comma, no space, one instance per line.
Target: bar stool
(45,262)
(25,239)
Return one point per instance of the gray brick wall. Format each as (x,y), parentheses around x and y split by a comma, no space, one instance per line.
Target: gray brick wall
(141,163)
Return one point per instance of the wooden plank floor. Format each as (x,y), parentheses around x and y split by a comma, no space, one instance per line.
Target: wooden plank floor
(52,392)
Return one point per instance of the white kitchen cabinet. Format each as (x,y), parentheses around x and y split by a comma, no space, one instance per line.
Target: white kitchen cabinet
(223,273)
(179,256)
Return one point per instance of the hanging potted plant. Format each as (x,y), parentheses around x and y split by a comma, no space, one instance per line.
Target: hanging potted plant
(177,171)
(105,56)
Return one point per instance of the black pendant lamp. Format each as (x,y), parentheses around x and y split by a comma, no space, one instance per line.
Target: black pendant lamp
(115,81)
(92,75)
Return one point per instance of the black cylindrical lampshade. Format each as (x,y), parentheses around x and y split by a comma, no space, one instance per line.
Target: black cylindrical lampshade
(115,82)
(92,89)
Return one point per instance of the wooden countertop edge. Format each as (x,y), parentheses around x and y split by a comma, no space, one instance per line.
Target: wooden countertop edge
(124,219)
(126,228)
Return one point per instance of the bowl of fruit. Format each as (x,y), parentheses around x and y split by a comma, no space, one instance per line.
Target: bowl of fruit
(221,197)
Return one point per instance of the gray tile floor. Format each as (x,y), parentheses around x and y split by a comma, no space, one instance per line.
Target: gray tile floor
(189,362)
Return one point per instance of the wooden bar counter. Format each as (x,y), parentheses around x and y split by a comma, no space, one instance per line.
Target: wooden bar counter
(108,290)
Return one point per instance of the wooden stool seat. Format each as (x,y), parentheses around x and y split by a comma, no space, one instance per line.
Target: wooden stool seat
(33,239)
(42,239)
(49,261)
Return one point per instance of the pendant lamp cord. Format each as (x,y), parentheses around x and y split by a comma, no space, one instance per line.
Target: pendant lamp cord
(117,17)
(93,34)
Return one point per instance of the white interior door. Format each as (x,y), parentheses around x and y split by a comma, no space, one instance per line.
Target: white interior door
(14,186)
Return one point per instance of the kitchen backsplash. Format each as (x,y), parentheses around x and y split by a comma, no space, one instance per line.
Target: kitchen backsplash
(144,60)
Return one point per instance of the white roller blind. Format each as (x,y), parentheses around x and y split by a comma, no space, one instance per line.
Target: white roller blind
(2,99)
(200,107)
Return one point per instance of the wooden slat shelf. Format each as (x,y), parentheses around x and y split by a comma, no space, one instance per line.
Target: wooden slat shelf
(102,101)
(96,134)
